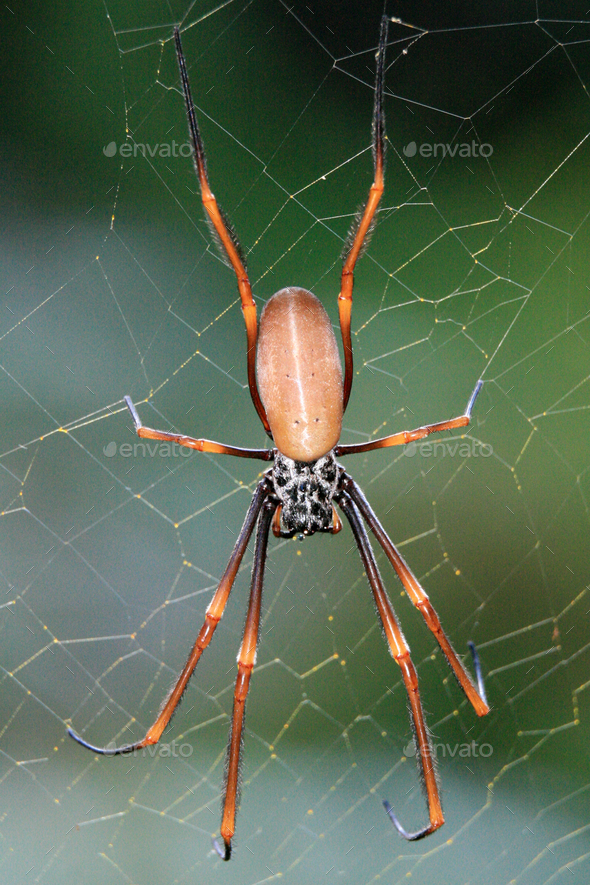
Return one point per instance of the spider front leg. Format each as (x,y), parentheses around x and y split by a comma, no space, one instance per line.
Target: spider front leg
(246,661)
(361,228)
(226,239)
(401,654)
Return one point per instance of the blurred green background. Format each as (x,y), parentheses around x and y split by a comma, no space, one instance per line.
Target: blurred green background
(110,554)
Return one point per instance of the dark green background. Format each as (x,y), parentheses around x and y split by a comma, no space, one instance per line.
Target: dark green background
(477,269)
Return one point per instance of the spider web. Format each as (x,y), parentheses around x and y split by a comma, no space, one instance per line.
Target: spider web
(112,549)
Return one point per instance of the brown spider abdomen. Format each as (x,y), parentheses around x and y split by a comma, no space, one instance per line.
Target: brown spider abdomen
(299,375)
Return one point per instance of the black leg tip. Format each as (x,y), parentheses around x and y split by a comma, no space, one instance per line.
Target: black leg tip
(409,837)
(223,852)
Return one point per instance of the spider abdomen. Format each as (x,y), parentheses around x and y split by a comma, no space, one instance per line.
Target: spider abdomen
(299,375)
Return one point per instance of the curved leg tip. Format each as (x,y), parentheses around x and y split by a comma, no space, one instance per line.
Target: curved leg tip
(105,751)
(223,852)
(473,397)
(80,740)
(410,837)
(479,676)
(133,410)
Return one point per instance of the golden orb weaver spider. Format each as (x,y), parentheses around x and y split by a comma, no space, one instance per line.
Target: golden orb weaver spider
(295,380)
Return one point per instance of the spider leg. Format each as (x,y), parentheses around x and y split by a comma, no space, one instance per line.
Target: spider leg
(420,599)
(407,436)
(224,235)
(246,661)
(401,654)
(200,445)
(361,227)
(212,618)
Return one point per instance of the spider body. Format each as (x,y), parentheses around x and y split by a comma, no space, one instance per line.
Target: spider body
(299,375)
(296,385)
(300,382)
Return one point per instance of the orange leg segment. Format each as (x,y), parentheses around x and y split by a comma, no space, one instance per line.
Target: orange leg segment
(212,618)
(401,654)
(362,225)
(225,236)
(418,597)
(407,436)
(200,445)
(246,661)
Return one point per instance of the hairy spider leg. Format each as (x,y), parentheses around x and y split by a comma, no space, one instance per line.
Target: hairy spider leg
(212,618)
(360,231)
(226,238)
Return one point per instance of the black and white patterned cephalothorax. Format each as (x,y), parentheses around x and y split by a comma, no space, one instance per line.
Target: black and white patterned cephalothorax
(305,491)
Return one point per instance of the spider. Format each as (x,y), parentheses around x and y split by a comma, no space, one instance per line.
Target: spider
(296,385)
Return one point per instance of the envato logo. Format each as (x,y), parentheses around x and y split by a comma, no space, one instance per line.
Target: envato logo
(471,750)
(137,149)
(163,751)
(468,448)
(463,149)
(146,450)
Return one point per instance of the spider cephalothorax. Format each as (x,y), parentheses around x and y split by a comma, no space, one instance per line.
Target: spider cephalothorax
(305,492)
